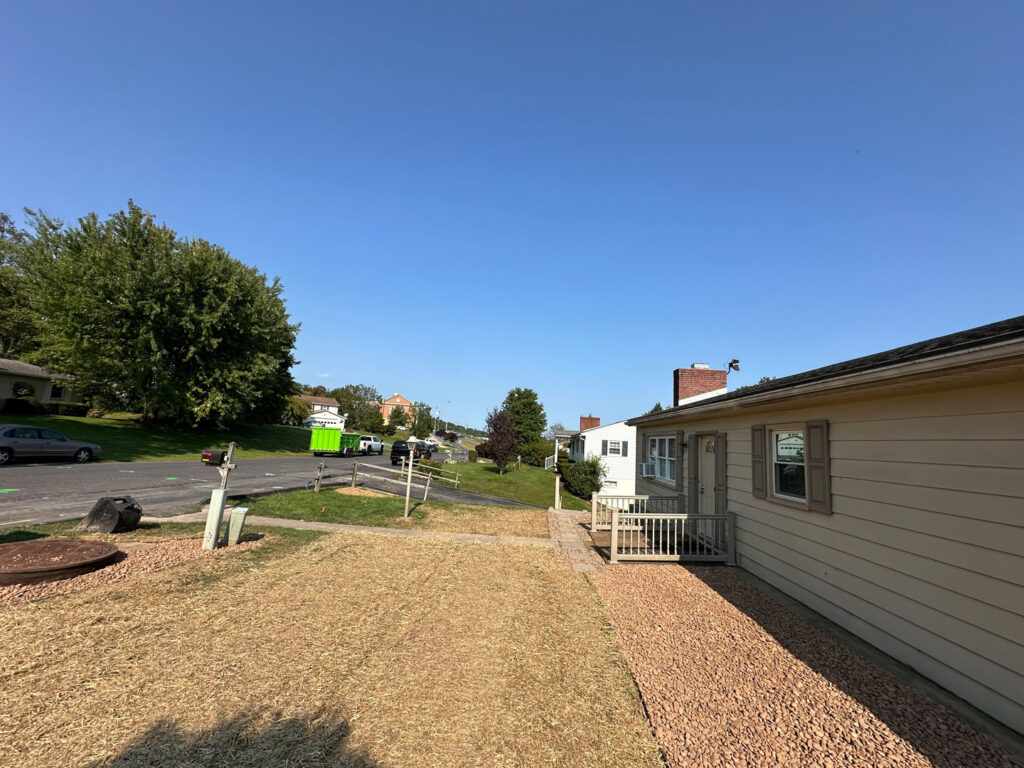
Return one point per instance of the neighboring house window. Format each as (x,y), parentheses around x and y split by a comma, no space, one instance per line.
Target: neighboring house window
(787,457)
(661,451)
(614,447)
(56,392)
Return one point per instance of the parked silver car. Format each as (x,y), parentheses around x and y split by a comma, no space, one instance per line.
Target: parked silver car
(23,442)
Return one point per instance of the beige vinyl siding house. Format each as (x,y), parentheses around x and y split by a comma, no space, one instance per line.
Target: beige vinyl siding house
(910,531)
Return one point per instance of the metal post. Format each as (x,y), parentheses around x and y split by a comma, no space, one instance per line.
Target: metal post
(613,547)
(217,499)
(355,472)
(427,489)
(319,477)
(408,487)
(593,511)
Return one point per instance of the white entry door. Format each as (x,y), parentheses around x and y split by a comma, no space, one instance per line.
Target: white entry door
(706,462)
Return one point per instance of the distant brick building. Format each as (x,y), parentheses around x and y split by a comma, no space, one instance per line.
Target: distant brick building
(393,402)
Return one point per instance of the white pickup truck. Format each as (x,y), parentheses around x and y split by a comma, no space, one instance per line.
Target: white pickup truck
(370,444)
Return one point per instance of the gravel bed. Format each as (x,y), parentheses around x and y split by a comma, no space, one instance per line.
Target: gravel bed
(731,678)
(136,558)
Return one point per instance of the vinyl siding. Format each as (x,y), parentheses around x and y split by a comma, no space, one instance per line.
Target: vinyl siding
(923,554)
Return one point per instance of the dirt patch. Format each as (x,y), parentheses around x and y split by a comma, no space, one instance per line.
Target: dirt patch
(731,678)
(358,650)
(357,491)
(136,558)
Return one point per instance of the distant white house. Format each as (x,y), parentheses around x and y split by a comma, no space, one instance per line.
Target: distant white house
(324,412)
(18,379)
(614,444)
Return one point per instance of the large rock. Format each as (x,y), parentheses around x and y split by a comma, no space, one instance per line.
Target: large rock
(112,515)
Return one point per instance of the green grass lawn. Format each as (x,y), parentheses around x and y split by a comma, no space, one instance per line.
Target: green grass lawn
(123,438)
(329,506)
(282,540)
(531,485)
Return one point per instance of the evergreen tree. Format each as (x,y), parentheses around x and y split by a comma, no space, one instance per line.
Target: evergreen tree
(527,415)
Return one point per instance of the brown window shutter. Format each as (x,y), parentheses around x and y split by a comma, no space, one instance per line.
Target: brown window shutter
(758,462)
(816,463)
(721,474)
(692,474)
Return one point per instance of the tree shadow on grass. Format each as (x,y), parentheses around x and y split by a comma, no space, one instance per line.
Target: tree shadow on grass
(9,537)
(253,739)
(932,729)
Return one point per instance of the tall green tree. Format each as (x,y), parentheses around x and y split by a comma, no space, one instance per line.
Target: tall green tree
(174,329)
(398,418)
(422,421)
(527,414)
(360,402)
(17,320)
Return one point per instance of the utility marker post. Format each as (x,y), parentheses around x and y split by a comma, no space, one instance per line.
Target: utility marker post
(408,486)
(427,489)
(355,472)
(319,477)
(217,499)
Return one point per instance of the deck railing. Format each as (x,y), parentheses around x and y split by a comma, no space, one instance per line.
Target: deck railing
(602,506)
(669,537)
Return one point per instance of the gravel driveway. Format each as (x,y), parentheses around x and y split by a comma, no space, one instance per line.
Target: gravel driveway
(731,678)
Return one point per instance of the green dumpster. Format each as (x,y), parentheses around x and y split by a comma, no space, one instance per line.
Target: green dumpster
(326,440)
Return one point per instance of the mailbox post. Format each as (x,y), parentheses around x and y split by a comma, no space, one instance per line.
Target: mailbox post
(222,460)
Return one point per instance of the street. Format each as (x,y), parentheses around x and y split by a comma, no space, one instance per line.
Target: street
(50,491)
(44,492)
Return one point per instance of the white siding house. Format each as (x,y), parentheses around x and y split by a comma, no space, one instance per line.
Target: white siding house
(614,444)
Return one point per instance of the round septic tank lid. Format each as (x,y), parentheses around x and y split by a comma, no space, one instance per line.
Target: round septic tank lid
(23,562)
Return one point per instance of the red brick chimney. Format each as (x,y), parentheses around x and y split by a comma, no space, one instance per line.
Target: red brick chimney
(589,422)
(699,379)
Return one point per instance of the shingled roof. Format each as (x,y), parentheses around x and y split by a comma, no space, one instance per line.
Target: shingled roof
(18,368)
(962,341)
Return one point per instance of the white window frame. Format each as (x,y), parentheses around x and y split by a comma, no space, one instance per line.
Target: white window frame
(614,447)
(666,463)
(773,460)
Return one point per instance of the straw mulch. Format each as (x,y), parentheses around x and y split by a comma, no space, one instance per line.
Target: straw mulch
(489,521)
(358,650)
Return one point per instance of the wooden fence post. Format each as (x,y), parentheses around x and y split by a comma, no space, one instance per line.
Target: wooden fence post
(558,491)
(613,547)
(355,472)
(593,511)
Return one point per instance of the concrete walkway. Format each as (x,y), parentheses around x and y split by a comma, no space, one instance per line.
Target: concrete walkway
(566,528)
(473,538)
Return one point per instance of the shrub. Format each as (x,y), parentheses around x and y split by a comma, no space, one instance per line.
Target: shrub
(429,467)
(472,456)
(483,450)
(22,406)
(583,478)
(536,452)
(66,409)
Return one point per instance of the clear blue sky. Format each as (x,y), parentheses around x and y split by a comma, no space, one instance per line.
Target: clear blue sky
(581,195)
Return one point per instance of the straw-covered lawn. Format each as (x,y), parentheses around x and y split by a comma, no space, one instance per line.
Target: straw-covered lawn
(355,650)
(360,506)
